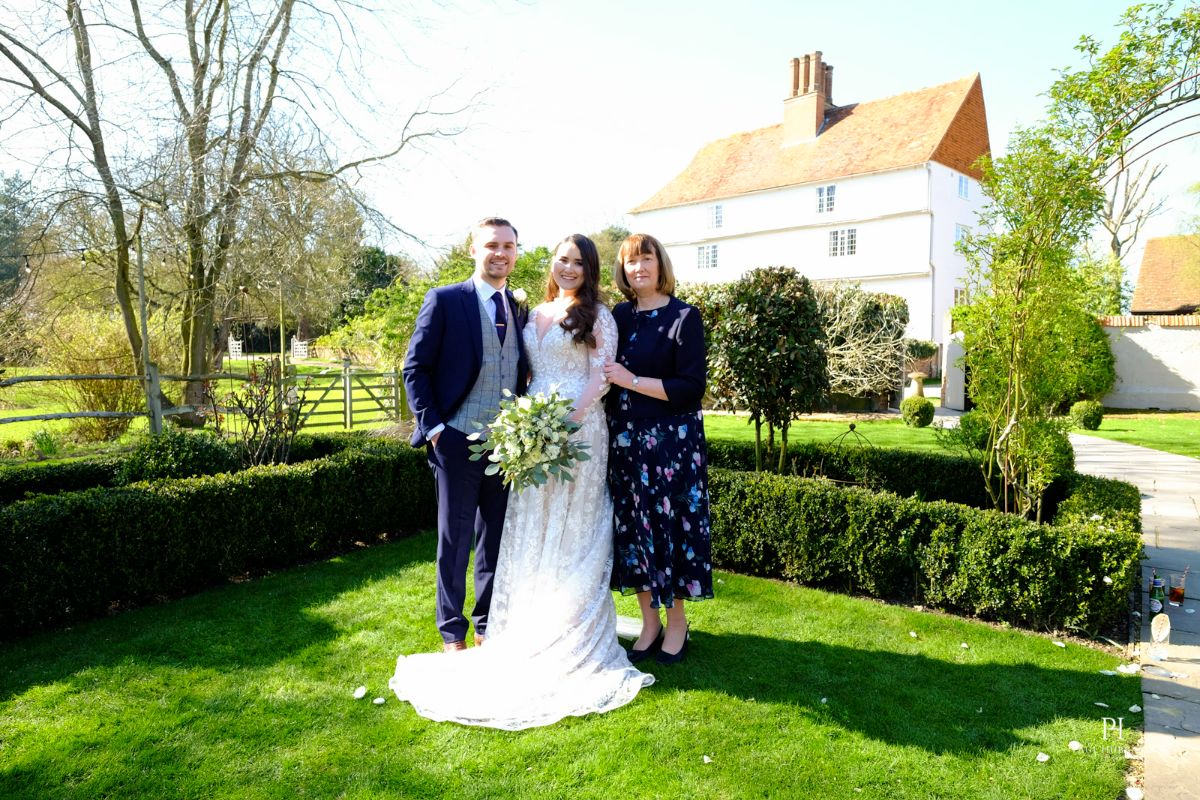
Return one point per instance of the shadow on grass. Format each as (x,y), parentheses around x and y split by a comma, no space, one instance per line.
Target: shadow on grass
(902,699)
(234,626)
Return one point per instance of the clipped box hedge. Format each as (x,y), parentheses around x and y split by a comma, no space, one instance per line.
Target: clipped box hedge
(77,554)
(945,555)
(22,481)
(73,555)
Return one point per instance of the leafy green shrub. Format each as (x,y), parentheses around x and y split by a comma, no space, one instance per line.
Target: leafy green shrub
(1090,368)
(1087,414)
(176,453)
(46,443)
(919,349)
(71,555)
(997,566)
(917,412)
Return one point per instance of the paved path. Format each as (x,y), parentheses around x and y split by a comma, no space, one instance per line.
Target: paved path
(1170,486)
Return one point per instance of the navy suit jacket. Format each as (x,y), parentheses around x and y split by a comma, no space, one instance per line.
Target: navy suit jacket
(445,354)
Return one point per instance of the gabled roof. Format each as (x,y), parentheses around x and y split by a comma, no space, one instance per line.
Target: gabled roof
(946,124)
(1169,281)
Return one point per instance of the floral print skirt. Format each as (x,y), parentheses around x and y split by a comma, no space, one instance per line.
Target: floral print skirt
(658,478)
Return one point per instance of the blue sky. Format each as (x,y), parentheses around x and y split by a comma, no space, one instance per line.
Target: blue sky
(591,107)
(588,108)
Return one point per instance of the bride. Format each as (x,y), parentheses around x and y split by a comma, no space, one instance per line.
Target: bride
(551,649)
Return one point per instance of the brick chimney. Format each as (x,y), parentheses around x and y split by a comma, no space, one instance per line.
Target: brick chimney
(810,95)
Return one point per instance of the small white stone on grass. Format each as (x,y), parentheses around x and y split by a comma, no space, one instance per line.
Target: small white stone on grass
(378,701)
(1135,709)
(913,634)
(1102,705)
(1107,672)
(979,710)
(965,646)
(707,760)
(1042,757)
(1107,579)
(1134,793)
(1058,644)
(824,700)
(1074,745)
(360,693)
(1129,669)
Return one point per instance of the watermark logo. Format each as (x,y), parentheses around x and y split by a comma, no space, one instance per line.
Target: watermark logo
(1113,725)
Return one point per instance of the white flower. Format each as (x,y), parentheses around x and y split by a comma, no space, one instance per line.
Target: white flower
(519,295)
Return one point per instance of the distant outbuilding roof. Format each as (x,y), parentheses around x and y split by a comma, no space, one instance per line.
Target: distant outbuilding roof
(946,124)
(1169,280)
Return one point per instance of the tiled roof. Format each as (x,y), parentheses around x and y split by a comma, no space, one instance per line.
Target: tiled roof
(946,124)
(1169,281)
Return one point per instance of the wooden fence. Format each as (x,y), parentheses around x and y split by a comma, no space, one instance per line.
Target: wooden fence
(352,395)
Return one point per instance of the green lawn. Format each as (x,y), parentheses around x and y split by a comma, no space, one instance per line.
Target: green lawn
(1171,432)
(245,691)
(885,433)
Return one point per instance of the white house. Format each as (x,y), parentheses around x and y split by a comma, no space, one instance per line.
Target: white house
(875,193)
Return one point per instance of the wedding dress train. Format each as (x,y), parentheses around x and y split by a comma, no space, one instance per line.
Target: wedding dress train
(552,649)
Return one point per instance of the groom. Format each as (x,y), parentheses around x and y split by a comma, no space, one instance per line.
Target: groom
(465,351)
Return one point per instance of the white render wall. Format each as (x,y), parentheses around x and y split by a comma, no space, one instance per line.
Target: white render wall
(1156,366)
(904,222)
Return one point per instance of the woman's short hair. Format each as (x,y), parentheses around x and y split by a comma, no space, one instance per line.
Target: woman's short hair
(639,244)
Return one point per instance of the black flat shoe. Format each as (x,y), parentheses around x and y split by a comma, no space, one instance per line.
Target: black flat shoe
(664,657)
(641,655)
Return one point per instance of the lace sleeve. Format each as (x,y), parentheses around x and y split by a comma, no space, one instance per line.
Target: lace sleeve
(605,331)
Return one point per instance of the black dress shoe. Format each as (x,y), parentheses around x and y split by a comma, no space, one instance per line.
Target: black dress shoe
(664,657)
(641,655)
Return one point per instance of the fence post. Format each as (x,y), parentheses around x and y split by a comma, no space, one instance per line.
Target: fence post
(397,394)
(154,398)
(348,395)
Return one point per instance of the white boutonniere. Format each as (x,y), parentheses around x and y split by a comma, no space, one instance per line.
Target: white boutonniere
(521,297)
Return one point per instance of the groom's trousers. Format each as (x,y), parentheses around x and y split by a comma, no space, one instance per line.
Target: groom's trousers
(471,509)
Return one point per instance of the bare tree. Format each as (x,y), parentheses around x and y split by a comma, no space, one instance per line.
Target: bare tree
(212,75)
(864,339)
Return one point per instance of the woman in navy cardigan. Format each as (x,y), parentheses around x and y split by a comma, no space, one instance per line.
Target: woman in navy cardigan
(658,463)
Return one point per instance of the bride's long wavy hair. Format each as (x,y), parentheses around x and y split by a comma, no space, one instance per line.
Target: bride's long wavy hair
(581,316)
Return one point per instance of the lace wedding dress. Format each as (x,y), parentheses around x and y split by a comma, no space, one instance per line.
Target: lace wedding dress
(552,647)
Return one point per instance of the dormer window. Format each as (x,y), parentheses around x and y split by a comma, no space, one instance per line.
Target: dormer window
(825,198)
(716,216)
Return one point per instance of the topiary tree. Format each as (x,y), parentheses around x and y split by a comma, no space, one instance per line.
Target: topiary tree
(770,345)
(917,412)
(1087,414)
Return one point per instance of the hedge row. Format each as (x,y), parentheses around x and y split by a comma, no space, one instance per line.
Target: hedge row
(71,555)
(19,482)
(925,475)
(996,566)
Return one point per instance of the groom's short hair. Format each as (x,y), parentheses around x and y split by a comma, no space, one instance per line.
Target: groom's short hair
(494,222)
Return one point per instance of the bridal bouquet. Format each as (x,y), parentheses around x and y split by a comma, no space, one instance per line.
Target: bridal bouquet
(529,441)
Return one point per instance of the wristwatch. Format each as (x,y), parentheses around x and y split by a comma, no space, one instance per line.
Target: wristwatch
(635,381)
